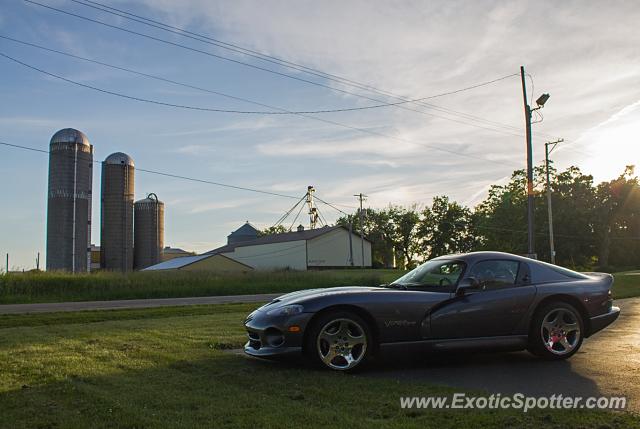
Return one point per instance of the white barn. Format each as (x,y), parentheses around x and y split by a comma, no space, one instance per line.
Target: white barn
(327,247)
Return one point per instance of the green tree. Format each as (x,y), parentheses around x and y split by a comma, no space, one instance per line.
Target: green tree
(618,220)
(405,222)
(446,227)
(379,229)
(280,229)
(501,218)
(573,200)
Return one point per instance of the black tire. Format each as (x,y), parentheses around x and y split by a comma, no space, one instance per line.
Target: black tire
(557,331)
(316,343)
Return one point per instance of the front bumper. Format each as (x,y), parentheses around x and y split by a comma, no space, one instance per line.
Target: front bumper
(271,351)
(600,322)
(272,335)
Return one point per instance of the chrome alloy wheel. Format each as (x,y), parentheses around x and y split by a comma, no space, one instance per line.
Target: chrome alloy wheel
(560,331)
(341,344)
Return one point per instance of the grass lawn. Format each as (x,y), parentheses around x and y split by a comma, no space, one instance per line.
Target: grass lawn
(59,287)
(627,284)
(171,368)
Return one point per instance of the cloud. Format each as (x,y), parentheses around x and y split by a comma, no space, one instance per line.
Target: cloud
(235,126)
(30,121)
(203,207)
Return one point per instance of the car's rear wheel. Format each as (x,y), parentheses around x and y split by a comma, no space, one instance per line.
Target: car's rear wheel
(340,341)
(557,331)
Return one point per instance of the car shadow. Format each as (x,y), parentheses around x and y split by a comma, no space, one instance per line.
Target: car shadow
(493,372)
(506,372)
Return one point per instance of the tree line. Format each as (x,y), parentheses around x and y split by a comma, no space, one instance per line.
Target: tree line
(595,225)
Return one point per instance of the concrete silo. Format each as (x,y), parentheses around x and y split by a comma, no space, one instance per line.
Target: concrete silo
(69,201)
(148,231)
(116,228)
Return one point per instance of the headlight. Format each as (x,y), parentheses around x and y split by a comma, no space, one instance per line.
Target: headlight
(287,310)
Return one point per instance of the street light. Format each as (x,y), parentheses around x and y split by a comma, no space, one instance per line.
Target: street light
(527,114)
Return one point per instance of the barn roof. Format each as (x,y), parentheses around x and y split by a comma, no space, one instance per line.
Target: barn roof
(177,263)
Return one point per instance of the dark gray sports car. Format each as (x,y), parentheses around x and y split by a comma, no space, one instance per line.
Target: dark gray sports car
(475,300)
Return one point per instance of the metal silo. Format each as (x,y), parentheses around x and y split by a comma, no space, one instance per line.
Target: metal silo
(148,231)
(116,228)
(69,201)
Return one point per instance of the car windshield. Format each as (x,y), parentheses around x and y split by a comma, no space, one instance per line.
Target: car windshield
(440,273)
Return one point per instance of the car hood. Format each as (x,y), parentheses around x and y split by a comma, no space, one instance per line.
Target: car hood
(304,295)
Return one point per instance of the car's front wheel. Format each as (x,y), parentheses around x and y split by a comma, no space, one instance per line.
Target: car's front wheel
(340,341)
(557,331)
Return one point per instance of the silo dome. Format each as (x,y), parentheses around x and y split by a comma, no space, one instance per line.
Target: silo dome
(70,135)
(119,158)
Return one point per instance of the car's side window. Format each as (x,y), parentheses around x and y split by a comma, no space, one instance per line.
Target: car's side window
(495,274)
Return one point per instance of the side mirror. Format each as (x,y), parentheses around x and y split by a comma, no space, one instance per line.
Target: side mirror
(468,283)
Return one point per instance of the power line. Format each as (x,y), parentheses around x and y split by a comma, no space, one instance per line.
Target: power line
(287,213)
(333,205)
(262,68)
(274,60)
(288,251)
(178,106)
(322,218)
(363,130)
(270,58)
(298,67)
(242,188)
(281,112)
(175,176)
(131,97)
(260,55)
(297,216)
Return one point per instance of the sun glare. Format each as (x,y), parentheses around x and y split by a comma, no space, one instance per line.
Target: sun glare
(613,145)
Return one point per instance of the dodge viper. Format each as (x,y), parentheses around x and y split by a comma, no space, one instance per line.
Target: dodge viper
(487,300)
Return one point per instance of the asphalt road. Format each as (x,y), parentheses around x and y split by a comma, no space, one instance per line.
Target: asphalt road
(131,303)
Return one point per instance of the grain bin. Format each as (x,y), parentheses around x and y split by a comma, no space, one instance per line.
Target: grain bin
(116,228)
(69,201)
(148,231)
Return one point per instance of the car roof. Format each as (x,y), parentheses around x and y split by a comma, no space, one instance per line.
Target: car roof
(474,256)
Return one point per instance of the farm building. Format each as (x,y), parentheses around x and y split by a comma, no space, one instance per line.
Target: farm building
(218,263)
(327,247)
(174,252)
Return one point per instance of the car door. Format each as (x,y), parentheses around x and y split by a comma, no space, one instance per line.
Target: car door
(402,314)
(494,309)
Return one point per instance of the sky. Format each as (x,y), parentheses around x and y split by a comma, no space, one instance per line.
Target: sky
(584,54)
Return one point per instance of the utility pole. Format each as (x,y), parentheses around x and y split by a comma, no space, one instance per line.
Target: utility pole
(7,272)
(546,161)
(38,262)
(361,198)
(527,116)
(350,243)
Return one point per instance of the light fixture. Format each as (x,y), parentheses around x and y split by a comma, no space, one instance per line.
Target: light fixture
(542,100)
